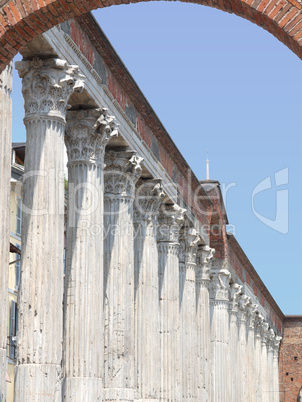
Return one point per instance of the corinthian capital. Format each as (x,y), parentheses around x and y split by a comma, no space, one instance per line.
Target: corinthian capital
(271,338)
(258,324)
(171,218)
(203,262)
(264,332)
(87,134)
(47,85)
(149,196)
(276,346)
(252,311)
(188,246)
(220,284)
(122,171)
(243,303)
(235,291)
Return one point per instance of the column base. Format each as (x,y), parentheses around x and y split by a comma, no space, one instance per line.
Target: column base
(118,394)
(38,383)
(82,389)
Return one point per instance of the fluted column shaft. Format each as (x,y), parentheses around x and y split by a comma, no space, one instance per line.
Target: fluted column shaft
(121,174)
(187,305)
(243,372)
(219,303)
(235,365)
(5,169)
(46,87)
(257,358)
(264,363)
(87,133)
(270,368)
(251,385)
(168,269)
(147,340)
(203,343)
(276,369)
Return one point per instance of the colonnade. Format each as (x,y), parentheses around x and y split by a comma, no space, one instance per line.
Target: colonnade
(5,171)
(145,315)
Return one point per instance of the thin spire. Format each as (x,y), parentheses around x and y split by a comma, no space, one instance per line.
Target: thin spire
(208,168)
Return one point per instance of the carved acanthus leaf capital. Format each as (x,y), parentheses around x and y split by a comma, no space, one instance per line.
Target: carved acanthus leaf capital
(171,218)
(271,338)
(122,171)
(235,291)
(276,345)
(204,258)
(243,303)
(188,246)
(87,134)
(47,85)
(149,196)
(264,332)
(220,284)
(252,311)
(258,324)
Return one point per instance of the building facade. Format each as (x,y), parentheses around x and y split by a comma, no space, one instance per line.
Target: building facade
(159,300)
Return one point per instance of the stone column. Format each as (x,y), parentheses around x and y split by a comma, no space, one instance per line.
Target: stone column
(187,306)
(5,169)
(87,133)
(121,174)
(250,345)
(257,357)
(270,370)
(276,369)
(242,378)
(235,364)
(149,196)
(170,220)
(46,87)
(219,303)
(264,362)
(202,355)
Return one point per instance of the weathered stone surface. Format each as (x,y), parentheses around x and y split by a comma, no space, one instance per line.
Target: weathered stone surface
(203,354)
(87,133)
(121,174)
(219,323)
(5,153)
(46,86)
(149,196)
(170,221)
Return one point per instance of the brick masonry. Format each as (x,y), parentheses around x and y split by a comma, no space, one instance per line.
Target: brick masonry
(22,20)
(290,360)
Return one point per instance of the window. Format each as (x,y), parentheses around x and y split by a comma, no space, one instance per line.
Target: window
(64,260)
(17,269)
(13,330)
(19,215)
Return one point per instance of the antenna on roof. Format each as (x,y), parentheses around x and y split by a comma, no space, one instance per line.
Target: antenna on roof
(208,169)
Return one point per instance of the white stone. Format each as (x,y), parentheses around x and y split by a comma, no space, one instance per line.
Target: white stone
(170,221)
(149,196)
(87,133)
(5,169)
(46,87)
(121,174)
(202,277)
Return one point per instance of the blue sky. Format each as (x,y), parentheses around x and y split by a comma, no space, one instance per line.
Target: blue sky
(221,83)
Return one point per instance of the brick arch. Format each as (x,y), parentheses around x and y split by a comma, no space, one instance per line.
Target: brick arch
(22,20)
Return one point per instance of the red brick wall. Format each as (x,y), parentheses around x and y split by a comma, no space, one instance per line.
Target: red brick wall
(22,20)
(290,360)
